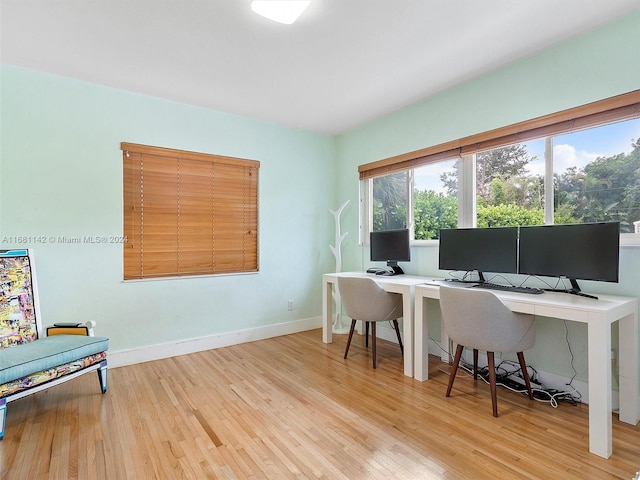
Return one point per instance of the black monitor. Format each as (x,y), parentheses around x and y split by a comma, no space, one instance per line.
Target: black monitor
(586,251)
(391,246)
(480,249)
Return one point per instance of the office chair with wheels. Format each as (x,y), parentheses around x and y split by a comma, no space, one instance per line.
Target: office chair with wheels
(479,320)
(363,299)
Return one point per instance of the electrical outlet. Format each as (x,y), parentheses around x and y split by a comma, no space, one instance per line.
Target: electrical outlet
(290,305)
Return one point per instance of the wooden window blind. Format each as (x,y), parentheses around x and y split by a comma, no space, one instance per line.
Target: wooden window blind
(614,109)
(188,213)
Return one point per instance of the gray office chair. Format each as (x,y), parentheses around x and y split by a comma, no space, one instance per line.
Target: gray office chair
(477,319)
(363,299)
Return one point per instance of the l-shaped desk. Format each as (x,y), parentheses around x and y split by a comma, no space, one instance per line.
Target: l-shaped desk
(599,315)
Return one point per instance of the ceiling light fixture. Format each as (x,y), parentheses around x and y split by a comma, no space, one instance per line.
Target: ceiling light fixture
(282,11)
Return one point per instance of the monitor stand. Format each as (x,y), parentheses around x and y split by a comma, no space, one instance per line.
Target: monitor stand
(574,290)
(395,269)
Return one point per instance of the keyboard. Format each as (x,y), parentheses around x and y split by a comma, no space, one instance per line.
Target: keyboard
(451,283)
(509,288)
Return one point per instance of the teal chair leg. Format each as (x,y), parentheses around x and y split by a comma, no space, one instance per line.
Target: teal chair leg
(102,376)
(3,416)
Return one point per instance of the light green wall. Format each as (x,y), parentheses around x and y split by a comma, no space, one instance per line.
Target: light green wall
(61,175)
(595,66)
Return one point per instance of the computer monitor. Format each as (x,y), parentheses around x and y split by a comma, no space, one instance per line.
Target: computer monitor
(391,246)
(585,251)
(480,249)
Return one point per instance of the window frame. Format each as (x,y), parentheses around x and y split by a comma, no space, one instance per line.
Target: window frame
(610,110)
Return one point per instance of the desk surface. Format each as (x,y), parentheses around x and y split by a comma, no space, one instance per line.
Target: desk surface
(387,279)
(604,303)
(552,304)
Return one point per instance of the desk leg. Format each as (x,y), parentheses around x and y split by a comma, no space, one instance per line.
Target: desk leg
(421,335)
(407,332)
(628,364)
(327,311)
(600,403)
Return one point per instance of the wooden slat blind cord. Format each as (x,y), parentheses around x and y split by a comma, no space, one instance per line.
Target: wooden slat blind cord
(214,216)
(141,216)
(186,213)
(614,109)
(244,219)
(178,214)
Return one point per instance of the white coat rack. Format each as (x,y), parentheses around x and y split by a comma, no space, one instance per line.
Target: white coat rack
(338,326)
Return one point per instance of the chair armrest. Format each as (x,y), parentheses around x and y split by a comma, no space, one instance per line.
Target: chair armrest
(85,329)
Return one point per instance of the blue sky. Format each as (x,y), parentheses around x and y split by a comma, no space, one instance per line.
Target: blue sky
(579,148)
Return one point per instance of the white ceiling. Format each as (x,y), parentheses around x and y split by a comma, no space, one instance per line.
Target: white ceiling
(344,63)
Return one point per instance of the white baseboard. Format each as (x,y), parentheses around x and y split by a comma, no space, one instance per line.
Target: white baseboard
(120,358)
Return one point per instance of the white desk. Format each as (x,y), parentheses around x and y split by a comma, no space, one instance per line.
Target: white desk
(403,284)
(599,315)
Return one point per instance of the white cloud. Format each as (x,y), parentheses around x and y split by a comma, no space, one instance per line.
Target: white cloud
(566,156)
(536,168)
(428,177)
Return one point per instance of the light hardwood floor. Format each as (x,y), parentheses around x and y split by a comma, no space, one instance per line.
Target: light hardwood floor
(292,408)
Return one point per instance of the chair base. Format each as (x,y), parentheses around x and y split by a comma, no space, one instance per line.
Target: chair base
(373,338)
(492,374)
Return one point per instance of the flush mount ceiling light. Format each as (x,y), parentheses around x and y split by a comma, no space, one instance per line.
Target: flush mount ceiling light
(282,11)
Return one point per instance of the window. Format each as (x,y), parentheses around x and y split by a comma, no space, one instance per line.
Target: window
(188,213)
(597,175)
(432,206)
(576,166)
(435,199)
(390,201)
(509,187)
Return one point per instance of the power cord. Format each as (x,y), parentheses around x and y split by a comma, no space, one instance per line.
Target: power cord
(444,370)
(575,372)
(505,379)
(541,393)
